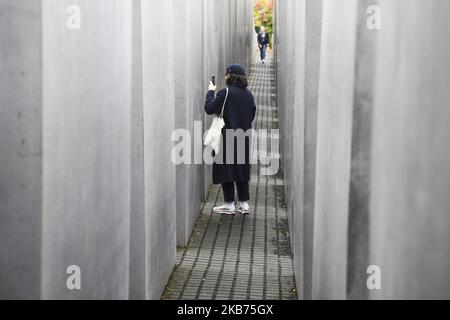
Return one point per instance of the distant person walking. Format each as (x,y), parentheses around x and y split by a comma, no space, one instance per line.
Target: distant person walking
(239,111)
(263,42)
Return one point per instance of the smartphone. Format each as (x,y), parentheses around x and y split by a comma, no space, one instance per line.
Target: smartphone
(213,80)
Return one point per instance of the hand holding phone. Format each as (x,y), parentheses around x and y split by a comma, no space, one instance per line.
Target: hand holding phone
(212,84)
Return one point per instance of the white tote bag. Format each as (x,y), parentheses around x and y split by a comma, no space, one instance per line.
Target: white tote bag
(214,136)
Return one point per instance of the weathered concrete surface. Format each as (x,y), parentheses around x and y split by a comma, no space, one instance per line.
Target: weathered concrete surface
(313,33)
(334,149)
(189,93)
(159,170)
(153,214)
(290,20)
(359,197)
(316,121)
(137,287)
(375,162)
(20,148)
(86,149)
(318,233)
(285,55)
(297,117)
(409,212)
(298,82)
(99,189)
(210,68)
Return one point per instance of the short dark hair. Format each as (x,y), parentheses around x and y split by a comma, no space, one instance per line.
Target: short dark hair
(239,80)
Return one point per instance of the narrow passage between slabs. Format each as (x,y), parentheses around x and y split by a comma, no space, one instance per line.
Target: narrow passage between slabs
(241,257)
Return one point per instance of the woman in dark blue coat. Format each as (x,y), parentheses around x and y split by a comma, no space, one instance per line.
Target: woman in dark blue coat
(239,113)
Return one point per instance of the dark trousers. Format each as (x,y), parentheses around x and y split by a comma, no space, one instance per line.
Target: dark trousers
(263,49)
(242,189)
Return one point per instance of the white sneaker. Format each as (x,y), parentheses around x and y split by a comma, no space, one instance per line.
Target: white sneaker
(244,209)
(226,209)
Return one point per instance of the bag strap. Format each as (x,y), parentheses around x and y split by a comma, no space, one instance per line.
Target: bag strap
(224,103)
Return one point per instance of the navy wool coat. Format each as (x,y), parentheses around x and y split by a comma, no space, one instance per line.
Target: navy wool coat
(240,111)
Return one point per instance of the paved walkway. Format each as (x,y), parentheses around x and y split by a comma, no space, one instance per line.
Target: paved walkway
(243,258)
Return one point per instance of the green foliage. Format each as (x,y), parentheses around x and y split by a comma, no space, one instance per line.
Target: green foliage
(263,14)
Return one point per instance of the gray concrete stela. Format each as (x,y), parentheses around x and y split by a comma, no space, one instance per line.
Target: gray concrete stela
(91,92)
(92,205)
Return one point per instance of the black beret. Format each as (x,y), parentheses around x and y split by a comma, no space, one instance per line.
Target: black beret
(236,69)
